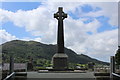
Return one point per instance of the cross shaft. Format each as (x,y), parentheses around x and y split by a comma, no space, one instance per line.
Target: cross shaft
(60,16)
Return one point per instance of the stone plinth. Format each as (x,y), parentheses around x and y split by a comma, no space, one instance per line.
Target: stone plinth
(60,61)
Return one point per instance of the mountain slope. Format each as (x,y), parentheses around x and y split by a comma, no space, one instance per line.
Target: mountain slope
(23,49)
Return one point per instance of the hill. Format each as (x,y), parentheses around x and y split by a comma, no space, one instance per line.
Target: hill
(23,49)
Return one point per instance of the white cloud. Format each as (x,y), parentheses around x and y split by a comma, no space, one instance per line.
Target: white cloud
(103,44)
(108,9)
(37,21)
(75,30)
(30,39)
(40,22)
(100,45)
(5,36)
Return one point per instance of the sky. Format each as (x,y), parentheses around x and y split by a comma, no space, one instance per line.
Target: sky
(91,27)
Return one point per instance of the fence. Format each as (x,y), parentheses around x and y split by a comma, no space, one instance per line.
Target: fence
(11,70)
(112,68)
(10,77)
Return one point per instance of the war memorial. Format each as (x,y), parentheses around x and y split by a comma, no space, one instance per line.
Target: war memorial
(60,59)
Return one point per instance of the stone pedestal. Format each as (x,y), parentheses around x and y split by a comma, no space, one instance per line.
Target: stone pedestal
(60,61)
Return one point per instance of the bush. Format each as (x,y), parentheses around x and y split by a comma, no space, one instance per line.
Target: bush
(117,56)
(38,68)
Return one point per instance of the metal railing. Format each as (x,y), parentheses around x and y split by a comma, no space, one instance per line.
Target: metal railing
(114,74)
(112,68)
(10,77)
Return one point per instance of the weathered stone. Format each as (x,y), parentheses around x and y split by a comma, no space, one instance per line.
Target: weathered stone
(60,59)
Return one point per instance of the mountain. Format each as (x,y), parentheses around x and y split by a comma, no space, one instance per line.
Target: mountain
(23,49)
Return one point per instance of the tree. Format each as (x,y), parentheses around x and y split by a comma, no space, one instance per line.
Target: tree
(117,56)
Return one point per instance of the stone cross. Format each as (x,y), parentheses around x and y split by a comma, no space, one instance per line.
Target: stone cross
(60,16)
(60,59)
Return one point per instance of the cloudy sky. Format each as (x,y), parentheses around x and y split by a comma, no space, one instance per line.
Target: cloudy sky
(91,27)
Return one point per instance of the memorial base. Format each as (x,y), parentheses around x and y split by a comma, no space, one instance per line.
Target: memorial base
(60,61)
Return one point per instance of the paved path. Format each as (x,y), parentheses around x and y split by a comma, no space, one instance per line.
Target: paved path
(61,76)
